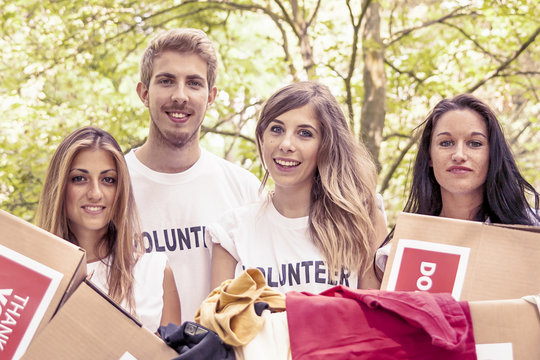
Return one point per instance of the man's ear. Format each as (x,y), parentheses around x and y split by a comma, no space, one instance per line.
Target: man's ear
(211,96)
(142,91)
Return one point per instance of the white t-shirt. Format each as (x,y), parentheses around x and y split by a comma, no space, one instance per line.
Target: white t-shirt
(148,290)
(258,236)
(175,209)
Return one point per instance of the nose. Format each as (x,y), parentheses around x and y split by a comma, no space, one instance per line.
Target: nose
(94,192)
(459,154)
(179,94)
(287,143)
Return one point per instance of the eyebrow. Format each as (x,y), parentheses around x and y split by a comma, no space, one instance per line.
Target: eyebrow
(164,74)
(84,171)
(446,133)
(172,76)
(301,125)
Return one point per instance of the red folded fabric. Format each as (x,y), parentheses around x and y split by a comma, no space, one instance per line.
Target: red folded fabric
(344,323)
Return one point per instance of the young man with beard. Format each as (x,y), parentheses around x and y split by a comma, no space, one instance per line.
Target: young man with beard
(179,186)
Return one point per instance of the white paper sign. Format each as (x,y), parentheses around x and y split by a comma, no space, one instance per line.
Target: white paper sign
(428,266)
(500,351)
(127,356)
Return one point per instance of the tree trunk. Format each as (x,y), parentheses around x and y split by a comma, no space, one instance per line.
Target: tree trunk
(373,107)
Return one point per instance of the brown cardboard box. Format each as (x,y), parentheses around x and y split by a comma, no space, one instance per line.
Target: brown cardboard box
(90,326)
(487,262)
(508,321)
(38,271)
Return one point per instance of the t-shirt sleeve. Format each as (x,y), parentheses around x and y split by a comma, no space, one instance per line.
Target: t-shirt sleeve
(149,271)
(381,256)
(247,187)
(148,291)
(224,232)
(380,205)
(253,188)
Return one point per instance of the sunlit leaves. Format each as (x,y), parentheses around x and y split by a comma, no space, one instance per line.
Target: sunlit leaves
(65,64)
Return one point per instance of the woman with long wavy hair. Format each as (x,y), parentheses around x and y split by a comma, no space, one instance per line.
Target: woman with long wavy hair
(87,200)
(320,225)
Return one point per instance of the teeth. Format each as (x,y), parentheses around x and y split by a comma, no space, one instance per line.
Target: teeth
(178,115)
(94,208)
(287,163)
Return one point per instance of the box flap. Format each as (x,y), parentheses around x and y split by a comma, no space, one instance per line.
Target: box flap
(112,302)
(89,326)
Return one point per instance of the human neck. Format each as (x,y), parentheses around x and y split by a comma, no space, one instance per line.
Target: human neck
(462,207)
(292,203)
(168,159)
(88,241)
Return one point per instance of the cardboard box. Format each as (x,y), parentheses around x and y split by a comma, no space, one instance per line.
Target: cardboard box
(509,328)
(38,271)
(90,326)
(471,260)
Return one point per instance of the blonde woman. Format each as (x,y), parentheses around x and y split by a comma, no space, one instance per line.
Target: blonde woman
(88,201)
(321,224)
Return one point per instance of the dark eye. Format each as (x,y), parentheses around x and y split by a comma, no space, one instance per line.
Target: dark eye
(109,180)
(446,143)
(165,81)
(305,133)
(195,83)
(475,143)
(77,179)
(276,129)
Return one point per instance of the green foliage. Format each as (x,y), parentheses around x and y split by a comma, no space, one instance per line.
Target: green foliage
(67,64)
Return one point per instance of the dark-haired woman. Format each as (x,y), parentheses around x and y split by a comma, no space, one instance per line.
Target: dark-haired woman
(465,169)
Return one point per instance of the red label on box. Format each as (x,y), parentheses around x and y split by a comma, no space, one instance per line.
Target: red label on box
(425,266)
(26,289)
(426,270)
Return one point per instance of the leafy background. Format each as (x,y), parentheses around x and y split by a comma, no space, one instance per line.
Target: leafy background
(66,64)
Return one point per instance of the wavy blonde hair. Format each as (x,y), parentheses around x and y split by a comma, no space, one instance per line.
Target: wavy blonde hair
(123,241)
(343,200)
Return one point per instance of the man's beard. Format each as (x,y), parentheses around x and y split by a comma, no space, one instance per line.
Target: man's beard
(173,138)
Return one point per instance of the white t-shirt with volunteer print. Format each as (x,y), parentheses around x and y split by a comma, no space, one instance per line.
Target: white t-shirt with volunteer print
(258,236)
(175,209)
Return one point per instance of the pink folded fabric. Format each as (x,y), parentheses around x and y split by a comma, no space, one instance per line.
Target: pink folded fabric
(344,323)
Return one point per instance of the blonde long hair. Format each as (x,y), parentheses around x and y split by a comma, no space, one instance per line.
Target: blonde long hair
(343,202)
(123,241)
